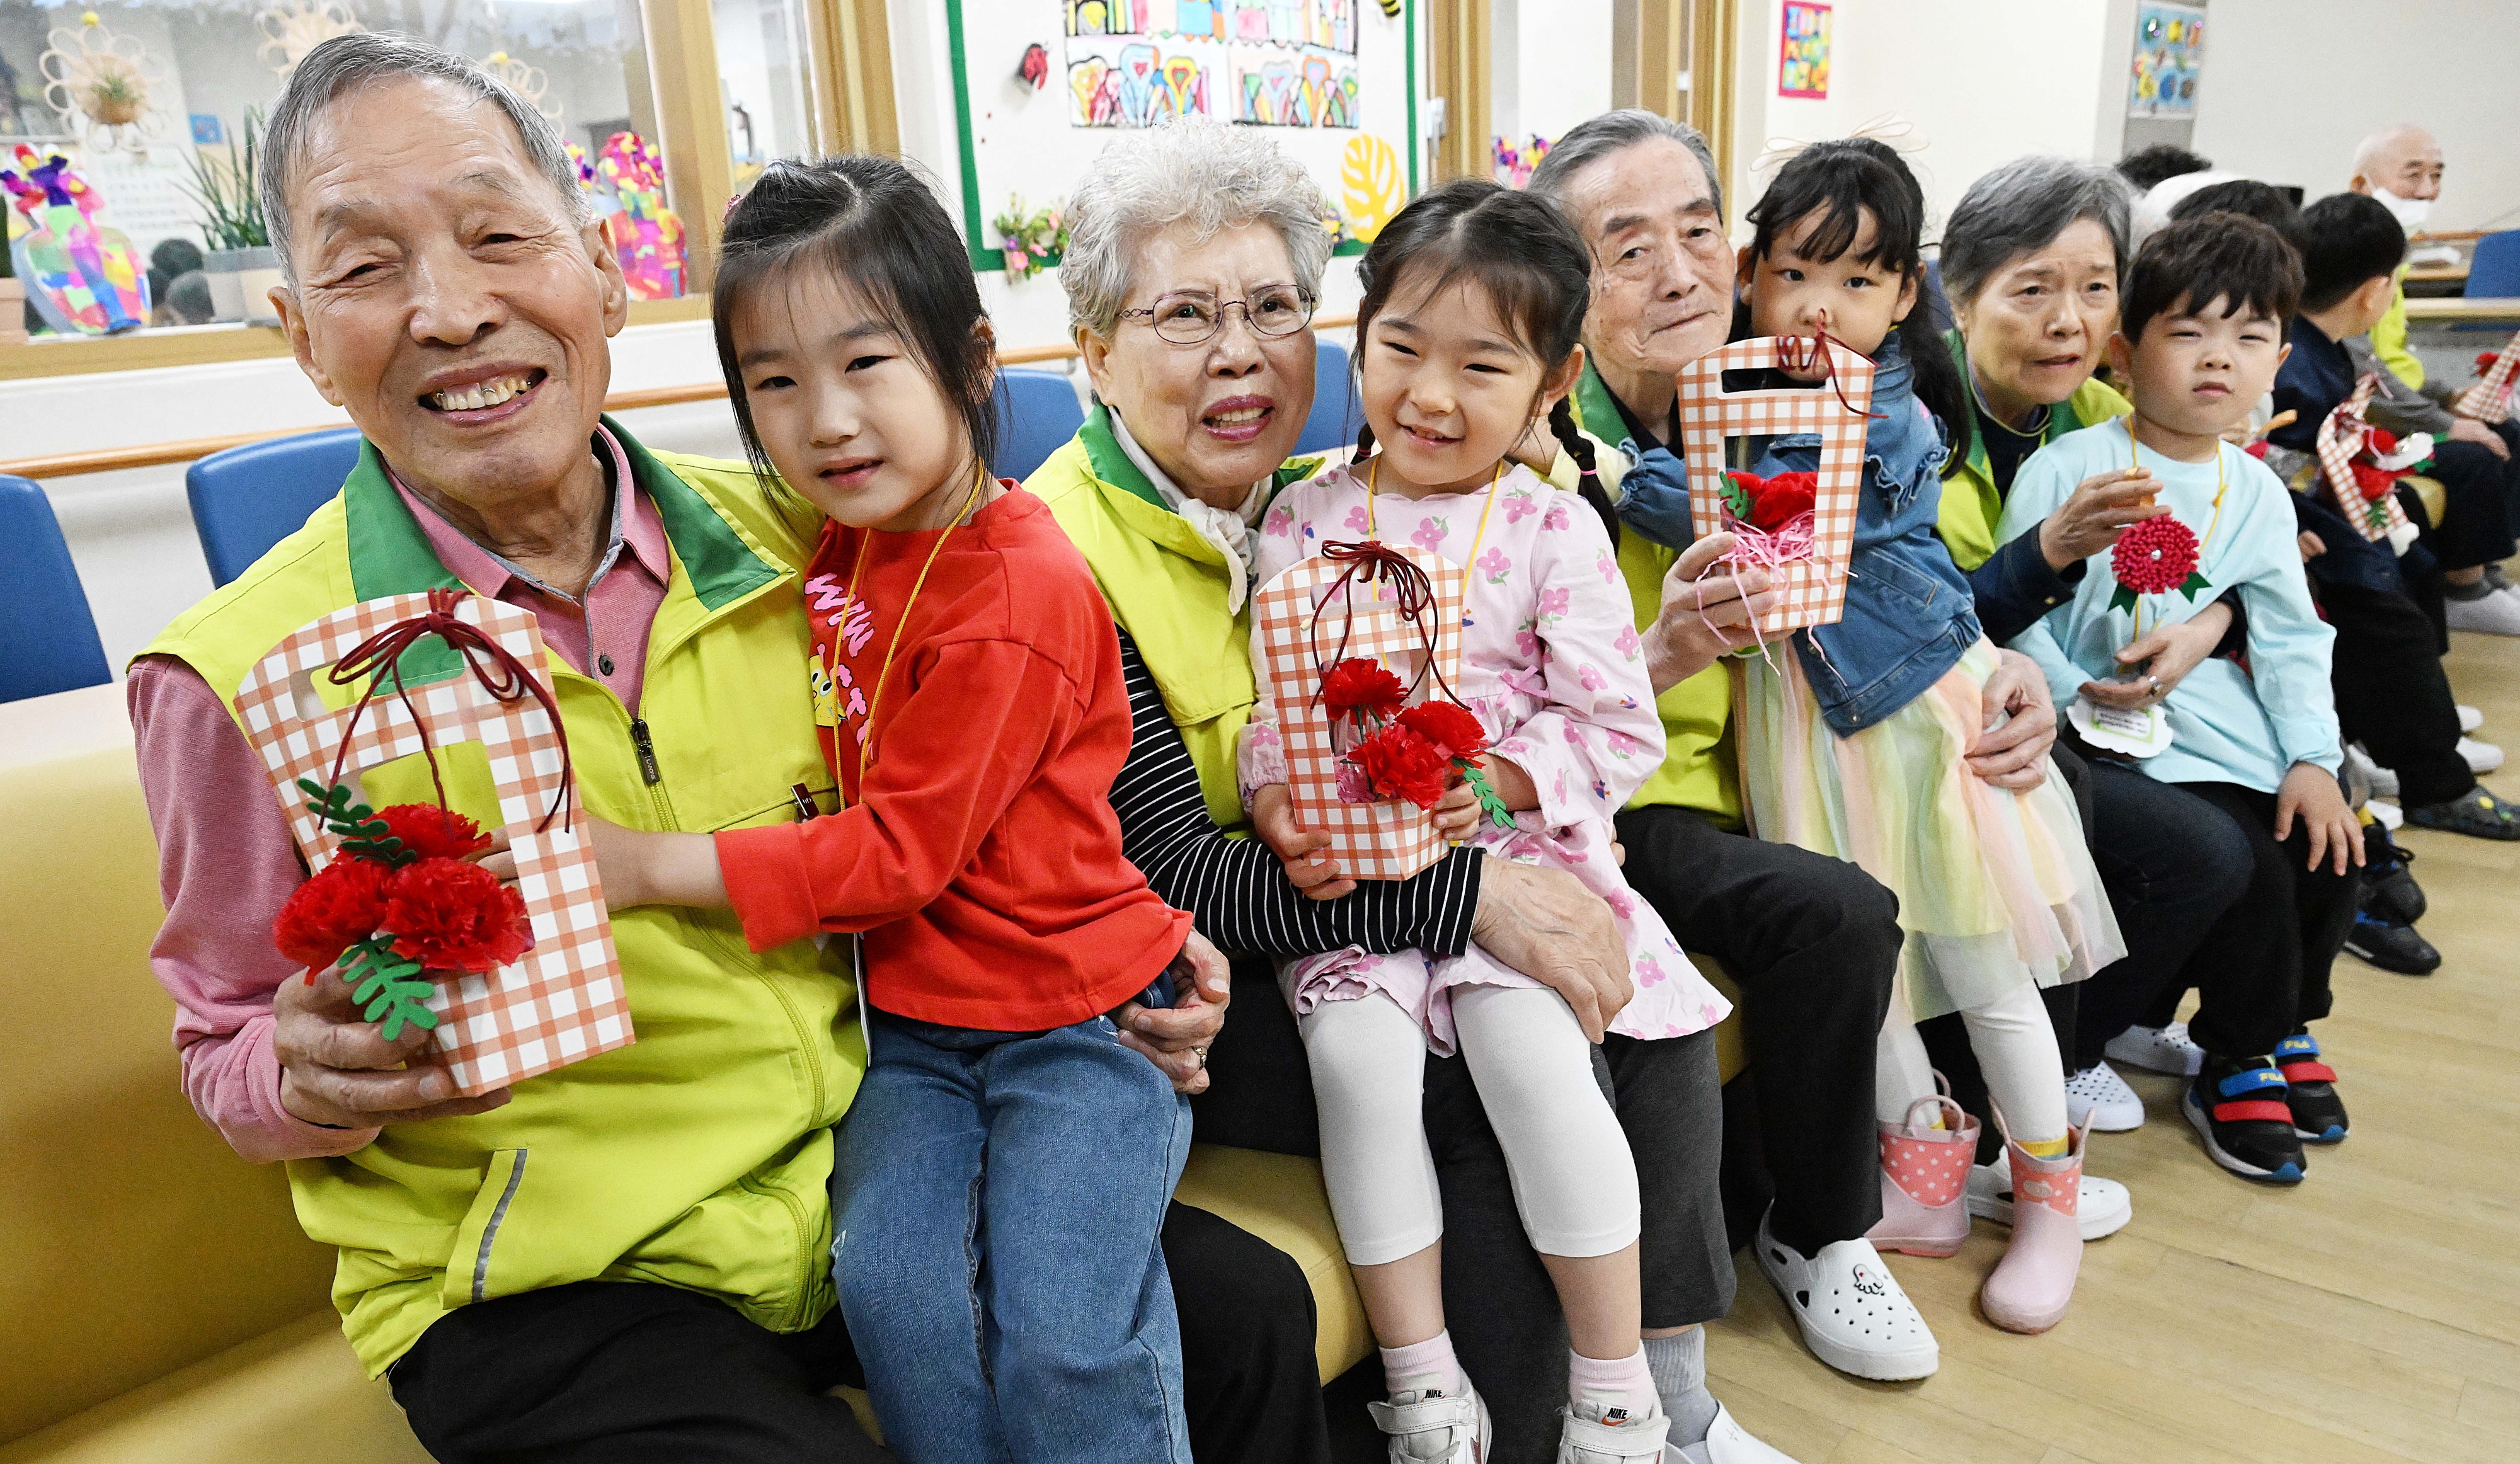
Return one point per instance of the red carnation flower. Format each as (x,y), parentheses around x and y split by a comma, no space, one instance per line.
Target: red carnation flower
(1358,686)
(428,831)
(1454,733)
(450,916)
(1783,499)
(2371,480)
(2154,556)
(2381,443)
(1401,764)
(345,902)
(2484,361)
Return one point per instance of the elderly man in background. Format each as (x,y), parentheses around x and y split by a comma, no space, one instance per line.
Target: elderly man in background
(2402,167)
(628,1259)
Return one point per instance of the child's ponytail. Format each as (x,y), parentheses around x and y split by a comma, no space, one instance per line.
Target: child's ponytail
(1562,423)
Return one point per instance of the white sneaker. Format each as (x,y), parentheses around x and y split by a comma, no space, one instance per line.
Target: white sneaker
(1435,1428)
(2469,718)
(2099,1097)
(1585,1436)
(2493,615)
(2482,757)
(1852,1315)
(1726,1442)
(2158,1050)
(2392,817)
(2103,1206)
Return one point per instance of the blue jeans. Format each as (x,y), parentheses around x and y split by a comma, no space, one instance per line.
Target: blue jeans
(997,1198)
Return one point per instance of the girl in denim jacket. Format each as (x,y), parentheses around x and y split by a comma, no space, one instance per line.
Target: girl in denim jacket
(1854,746)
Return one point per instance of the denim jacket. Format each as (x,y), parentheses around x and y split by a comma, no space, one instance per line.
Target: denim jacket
(1909,612)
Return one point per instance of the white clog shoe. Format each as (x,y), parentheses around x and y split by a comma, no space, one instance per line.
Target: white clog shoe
(1852,1315)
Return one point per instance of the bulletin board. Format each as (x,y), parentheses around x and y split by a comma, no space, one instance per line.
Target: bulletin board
(2169,61)
(1335,81)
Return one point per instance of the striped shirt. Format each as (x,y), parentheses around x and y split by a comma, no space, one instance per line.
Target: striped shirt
(1236,889)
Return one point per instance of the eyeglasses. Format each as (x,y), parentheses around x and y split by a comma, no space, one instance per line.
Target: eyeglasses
(1193,317)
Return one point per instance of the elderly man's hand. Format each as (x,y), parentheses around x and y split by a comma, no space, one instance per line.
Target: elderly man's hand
(1702,620)
(2015,754)
(1545,924)
(2469,429)
(335,1069)
(1177,1040)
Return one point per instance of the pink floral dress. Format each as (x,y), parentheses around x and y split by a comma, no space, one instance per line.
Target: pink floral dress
(1553,669)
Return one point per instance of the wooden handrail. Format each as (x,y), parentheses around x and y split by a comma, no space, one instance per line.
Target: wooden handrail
(163,453)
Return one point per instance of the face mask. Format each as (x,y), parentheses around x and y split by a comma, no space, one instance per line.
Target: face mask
(2410,213)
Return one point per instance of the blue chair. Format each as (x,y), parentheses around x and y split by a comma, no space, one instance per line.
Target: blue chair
(48,639)
(1037,412)
(2494,270)
(247,499)
(1338,408)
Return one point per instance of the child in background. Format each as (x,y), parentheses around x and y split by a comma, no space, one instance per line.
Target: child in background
(1467,338)
(1005,1164)
(2200,338)
(1854,746)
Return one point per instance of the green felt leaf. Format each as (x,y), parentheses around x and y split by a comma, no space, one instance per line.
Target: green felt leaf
(2193,583)
(2124,599)
(1736,497)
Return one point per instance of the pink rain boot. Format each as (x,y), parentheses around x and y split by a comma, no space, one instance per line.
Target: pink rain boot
(1925,1180)
(2034,1283)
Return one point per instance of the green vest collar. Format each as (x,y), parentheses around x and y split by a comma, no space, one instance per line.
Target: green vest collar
(2062,417)
(390,553)
(1110,463)
(1113,469)
(1598,411)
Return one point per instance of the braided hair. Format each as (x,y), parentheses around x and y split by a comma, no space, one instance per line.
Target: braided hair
(1534,267)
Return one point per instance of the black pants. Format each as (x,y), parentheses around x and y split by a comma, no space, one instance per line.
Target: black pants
(2392,694)
(2477,512)
(1812,943)
(2261,970)
(623,1373)
(2173,865)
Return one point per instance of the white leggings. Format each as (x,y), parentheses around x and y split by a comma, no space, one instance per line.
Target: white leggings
(1574,1179)
(2017,1050)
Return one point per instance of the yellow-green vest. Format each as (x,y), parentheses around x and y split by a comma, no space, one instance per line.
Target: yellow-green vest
(1167,588)
(1971,502)
(1699,769)
(700,1155)
(2389,338)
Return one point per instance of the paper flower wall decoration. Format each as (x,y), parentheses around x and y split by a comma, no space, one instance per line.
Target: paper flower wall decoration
(292,27)
(99,85)
(526,82)
(1029,239)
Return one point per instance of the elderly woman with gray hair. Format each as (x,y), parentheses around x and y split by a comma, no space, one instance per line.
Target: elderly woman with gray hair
(2032,260)
(1194,268)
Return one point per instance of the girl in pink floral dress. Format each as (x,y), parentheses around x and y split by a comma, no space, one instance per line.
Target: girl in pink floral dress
(1467,342)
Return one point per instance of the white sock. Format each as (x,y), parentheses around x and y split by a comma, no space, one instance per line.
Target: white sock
(1679,1366)
(1424,1367)
(1620,1389)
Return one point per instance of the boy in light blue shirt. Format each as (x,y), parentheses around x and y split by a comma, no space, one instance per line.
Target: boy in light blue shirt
(2201,335)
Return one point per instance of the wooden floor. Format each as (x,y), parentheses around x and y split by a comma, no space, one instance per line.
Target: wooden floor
(2371,1314)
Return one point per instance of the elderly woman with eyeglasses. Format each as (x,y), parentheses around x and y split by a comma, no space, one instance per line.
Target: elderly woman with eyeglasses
(1192,272)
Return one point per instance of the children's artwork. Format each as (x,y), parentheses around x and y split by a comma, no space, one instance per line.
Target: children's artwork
(82,274)
(1322,74)
(1801,532)
(559,1002)
(1356,639)
(1514,165)
(647,235)
(2168,58)
(2360,465)
(2490,399)
(1802,51)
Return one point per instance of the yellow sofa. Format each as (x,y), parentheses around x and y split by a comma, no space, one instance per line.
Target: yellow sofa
(162,1303)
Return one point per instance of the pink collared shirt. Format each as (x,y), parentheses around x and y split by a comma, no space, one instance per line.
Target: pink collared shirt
(226,862)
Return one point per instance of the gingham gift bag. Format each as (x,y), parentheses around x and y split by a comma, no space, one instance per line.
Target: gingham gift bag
(564,1000)
(2489,401)
(2340,437)
(1814,587)
(1391,839)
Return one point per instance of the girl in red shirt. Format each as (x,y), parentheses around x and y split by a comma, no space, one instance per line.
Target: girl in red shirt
(1003,1171)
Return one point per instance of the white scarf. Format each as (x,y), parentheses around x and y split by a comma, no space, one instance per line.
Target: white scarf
(1230,530)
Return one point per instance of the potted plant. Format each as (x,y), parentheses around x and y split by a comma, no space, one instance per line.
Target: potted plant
(240,263)
(116,94)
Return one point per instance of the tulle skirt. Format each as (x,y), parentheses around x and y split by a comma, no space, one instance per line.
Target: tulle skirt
(1995,887)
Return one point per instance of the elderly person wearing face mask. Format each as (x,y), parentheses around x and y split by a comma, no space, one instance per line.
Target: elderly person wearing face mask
(1195,262)
(2402,167)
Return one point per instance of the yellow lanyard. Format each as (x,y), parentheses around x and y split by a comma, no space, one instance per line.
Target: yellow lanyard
(2222,481)
(866,730)
(1375,468)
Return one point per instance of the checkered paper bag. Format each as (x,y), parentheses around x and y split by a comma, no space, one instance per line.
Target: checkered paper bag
(1814,587)
(564,999)
(2489,401)
(1394,838)
(2341,437)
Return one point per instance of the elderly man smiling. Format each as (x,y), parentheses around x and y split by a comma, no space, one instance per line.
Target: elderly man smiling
(628,1259)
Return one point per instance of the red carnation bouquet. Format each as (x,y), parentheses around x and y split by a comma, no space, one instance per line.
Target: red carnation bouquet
(1772,506)
(2381,463)
(1403,752)
(402,899)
